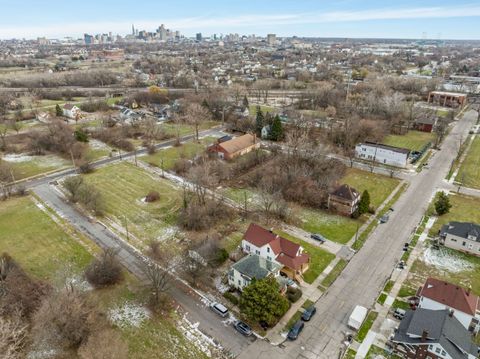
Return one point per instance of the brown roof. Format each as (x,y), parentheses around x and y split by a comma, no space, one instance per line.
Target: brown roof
(346,192)
(450,295)
(285,250)
(238,143)
(68,106)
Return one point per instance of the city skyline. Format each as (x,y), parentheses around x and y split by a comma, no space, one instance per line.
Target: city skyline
(306,18)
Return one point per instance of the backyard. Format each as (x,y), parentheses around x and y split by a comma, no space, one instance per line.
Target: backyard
(469,172)
(413,140)
(124,187)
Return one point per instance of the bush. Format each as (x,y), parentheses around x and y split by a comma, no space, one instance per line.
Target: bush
(294,294)
(231,297)
(152,196)
(81,135)
(442,204)
(104,270)
(222,256)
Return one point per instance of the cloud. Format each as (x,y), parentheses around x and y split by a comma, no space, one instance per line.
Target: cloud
(242,22)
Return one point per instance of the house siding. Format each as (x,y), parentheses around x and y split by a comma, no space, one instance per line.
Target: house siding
(381,155)
(462,244)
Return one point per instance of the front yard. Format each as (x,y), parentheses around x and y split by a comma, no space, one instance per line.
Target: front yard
(413,140)
(469,172)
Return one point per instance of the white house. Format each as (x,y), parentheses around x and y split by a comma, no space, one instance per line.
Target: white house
(388,155)
(461,236)
(272,247)
(436,294)
(252,266)
(70,111)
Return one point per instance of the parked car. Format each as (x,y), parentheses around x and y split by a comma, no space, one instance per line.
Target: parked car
(296,330)
(318,237)
(220,309)
(384,218)
(309,313)
(399,313)
(243,328)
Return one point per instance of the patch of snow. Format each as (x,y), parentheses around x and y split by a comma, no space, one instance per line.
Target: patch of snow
(440,259)
(222,288)
(17,158)
(191,331)
(98,145)
(128,315)
(78,282)
(168,233)
(42,354)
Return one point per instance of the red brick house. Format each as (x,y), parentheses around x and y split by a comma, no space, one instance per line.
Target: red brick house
(235,147)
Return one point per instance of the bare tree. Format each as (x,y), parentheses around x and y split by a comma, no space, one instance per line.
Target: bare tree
(13,336)
(105,269)
(195,115)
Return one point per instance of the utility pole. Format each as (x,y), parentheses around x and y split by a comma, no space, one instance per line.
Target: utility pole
(73,161)
(245,204)
(135,156)
(161,166)
(126,228)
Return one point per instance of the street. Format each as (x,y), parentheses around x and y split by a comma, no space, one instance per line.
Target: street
(363,278)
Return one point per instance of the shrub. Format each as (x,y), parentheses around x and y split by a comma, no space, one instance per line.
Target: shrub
(104,270)
(152,196)
(294,294)
(81,135)
(442,204)
(231,297)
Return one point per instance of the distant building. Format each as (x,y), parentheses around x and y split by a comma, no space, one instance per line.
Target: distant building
(235,147)
(344,200)
(425,124)
(89,39)
(70,111)
(251,267)
(271,39)
(388,155)
(198,37)
(461,236)
(447,99)
(433,334)
(437,294)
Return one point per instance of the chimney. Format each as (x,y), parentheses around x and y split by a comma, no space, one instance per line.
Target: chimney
(424,335)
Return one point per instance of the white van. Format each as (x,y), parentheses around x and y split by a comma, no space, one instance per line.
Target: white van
(220,309)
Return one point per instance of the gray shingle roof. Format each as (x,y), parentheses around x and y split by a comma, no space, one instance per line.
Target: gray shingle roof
(461,229)
(254,266)
(442,328)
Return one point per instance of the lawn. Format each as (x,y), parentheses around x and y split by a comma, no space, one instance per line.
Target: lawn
(263,108)
(379,187)
(413,140)
(330,278)
(32,238)
(184,129)
(469,173)
(464,209)
(25,166)
(170,155)
(123,187)
(334,227)
(367,324)
(319,258)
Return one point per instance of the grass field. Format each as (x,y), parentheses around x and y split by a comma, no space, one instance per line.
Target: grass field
(123,187)
(27,166)
(43,248)
(413,140)
(263,108)
(464,209)
(469,173)
(32,238)
(170,155)
(379,187)
(319,258)
(367,324)
(183,129)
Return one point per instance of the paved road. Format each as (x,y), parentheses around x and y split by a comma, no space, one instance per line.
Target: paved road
(197,311)
(366,273)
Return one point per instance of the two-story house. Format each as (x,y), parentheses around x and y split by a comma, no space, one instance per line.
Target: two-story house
(462,236)
(344,200)
(433,334)
(251,267)
(266,244)
(380,153)
(437,294)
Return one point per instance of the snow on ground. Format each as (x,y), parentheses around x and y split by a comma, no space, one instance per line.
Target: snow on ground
(79,282)
(42,354)
(222,288)
(98,145)
(128,314)
(442,260)
(17,157)
(44,161)
(194,335)
(168,233)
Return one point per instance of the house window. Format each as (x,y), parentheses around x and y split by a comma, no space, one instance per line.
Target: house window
(268,249)
(247,247)
(269,258)
(444,352)
(464,243)
(438,350)
(257,252)
(453,240)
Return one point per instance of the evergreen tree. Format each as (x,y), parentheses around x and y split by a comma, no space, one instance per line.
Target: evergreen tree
(262,301)
(364,204)
(442,204)
(276,133)
(205,103)
(58,110)
(259,120)
(245,101)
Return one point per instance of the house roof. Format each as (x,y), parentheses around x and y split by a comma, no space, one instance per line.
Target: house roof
(441,328)
(426,120)
(461,229)
(286,251)
(450,295)
(346,192)
(254,266)
(68,106)
(386,147)
(238,143)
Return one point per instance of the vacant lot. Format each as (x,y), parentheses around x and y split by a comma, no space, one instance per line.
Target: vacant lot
(464,209)
(184,129)
(469,173)
(319,258)
(170,155)
(379,187)
(40,245)
(413,140)
(124,187)
(25,166)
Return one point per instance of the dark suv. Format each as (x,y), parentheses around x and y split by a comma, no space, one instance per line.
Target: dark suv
(296,330)
(309,313)
(317,237)
(243,328)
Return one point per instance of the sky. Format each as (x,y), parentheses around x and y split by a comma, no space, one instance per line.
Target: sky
(440,19)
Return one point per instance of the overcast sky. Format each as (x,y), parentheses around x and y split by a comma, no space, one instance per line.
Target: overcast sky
(457,19)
